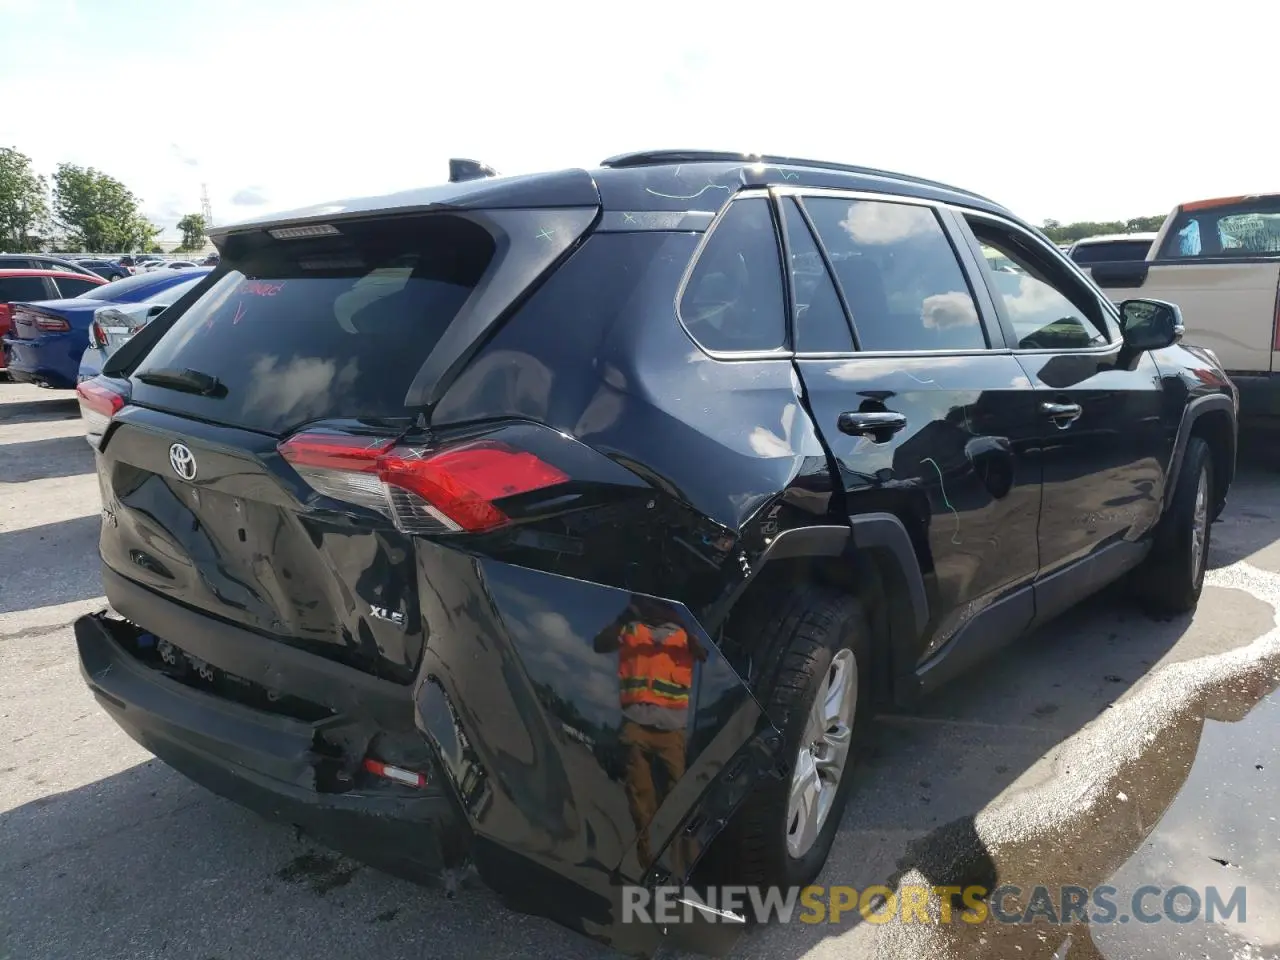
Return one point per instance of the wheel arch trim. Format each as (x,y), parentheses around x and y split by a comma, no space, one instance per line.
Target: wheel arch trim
(1194,410)
(881,533)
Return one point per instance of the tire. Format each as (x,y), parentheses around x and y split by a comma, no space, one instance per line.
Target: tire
(1171,578)
(817,634)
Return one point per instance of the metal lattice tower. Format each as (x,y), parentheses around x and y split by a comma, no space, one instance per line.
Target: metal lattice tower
(206,209)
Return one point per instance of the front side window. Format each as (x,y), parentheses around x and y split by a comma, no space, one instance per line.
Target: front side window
(733,301)
(1049,309)
(899,274)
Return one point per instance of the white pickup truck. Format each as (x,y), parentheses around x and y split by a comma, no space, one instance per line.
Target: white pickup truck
(1219,260)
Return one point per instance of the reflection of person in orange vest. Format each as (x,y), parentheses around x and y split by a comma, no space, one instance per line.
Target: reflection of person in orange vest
(655,677)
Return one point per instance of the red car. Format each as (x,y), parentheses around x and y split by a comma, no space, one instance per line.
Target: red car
(24,285)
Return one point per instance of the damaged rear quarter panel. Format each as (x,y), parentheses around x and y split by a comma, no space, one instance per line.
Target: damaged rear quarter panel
(520,695)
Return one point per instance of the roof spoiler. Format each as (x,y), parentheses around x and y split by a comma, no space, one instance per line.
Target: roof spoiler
(460,170)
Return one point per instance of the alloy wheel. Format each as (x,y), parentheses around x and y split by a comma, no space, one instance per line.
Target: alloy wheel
(824,751)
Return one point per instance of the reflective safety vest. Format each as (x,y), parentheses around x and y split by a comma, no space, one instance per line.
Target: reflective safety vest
(655,665)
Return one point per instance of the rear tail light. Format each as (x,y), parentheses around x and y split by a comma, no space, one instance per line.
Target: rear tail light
(6,317)
(51,324)
(97,336)
(451,490)
(98,404)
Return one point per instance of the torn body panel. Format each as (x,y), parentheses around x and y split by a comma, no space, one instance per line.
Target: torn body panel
(571,781)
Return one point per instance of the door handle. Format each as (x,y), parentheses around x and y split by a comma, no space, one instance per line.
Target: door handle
(1062,414)
(880,425)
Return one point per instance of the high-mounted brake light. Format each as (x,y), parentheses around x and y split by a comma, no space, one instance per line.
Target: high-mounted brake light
(97,406)
(444,491)
(301,233)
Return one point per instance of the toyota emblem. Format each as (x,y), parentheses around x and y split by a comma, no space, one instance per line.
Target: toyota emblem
(183,461)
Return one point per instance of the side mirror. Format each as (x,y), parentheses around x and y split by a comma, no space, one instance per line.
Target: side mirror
(1150,324)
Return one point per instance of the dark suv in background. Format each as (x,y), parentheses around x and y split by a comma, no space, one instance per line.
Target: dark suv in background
(573,524)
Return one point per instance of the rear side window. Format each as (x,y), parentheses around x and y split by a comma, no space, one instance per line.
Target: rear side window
(334,326)
(733,301)
(1111,252)
(74,286)
(820,324)
(1246,228)
(900,276)
(22,288)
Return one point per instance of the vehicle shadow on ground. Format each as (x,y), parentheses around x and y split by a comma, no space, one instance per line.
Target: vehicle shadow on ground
(61,407)
(45,459)
(1248,525)
(75,573)
(155,865)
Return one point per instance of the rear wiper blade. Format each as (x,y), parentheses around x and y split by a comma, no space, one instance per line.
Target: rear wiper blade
(186,380)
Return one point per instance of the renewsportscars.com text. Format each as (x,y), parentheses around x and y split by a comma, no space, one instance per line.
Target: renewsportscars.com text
(929,904)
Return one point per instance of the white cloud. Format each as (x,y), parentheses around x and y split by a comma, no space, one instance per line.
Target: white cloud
(298,389)
(943,311)
(885,223)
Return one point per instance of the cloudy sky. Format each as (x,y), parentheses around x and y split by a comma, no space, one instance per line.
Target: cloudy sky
(1096,110)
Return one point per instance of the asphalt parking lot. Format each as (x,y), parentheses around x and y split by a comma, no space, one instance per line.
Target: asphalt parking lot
(1107,748)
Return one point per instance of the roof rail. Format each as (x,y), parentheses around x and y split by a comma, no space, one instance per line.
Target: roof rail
(644,158)
(460,170)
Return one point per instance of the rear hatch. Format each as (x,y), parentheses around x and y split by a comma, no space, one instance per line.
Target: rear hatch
(310,339)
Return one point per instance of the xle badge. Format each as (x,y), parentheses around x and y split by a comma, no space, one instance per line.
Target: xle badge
(391,616)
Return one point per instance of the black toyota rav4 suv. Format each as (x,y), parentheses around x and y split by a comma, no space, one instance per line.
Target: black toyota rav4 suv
(571,525)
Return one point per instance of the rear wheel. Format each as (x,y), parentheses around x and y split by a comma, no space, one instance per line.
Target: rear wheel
(818,699)
(1172,577)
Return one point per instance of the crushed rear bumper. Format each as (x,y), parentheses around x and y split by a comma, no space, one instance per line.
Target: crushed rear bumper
(262,761)
(517,703)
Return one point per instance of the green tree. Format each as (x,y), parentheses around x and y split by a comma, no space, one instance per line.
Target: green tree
(192,227)
(97,212)
(23,207)
(1060,232)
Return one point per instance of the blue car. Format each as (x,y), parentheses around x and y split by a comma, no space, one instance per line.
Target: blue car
(49,338)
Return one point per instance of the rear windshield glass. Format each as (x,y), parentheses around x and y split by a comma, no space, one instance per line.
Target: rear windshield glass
(334,326)
(1111,252)
(1248,228)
